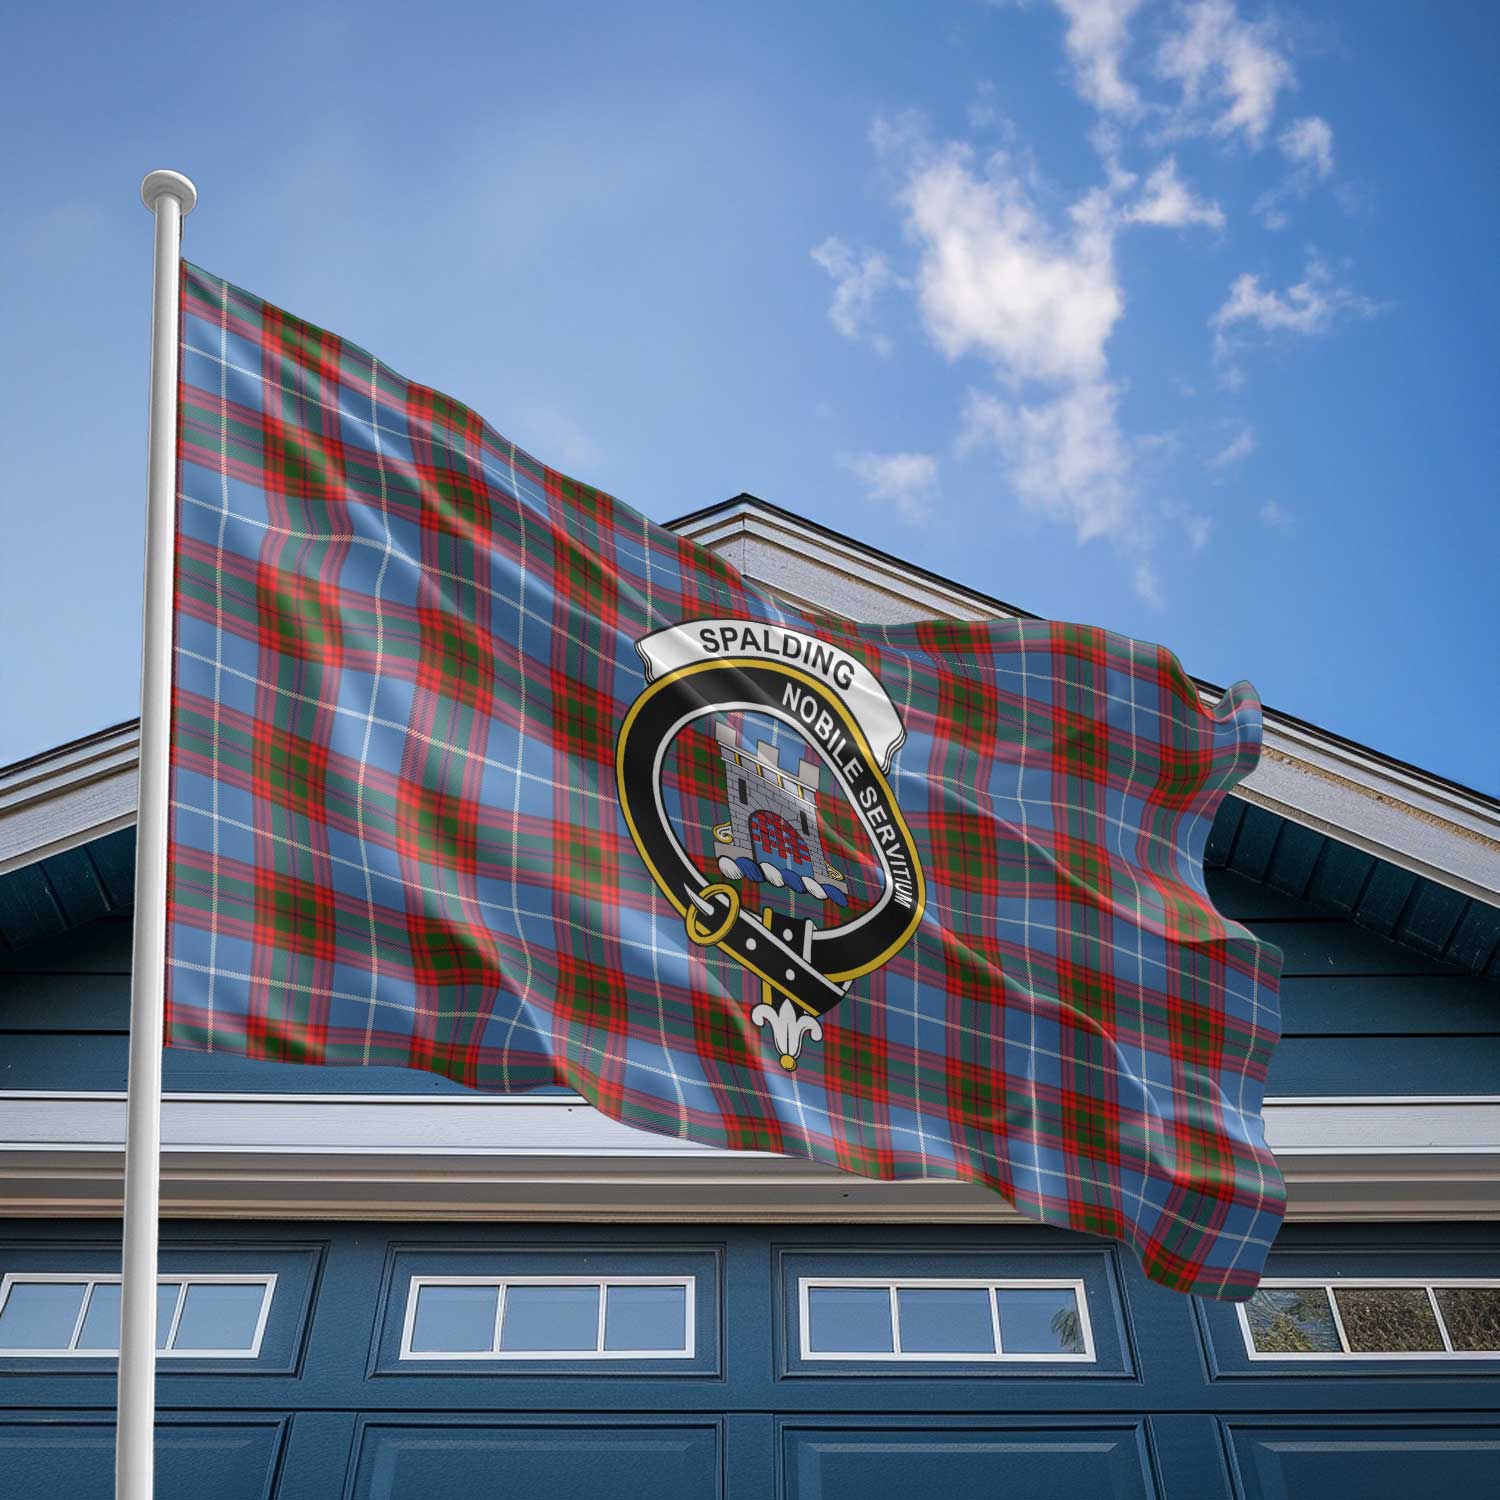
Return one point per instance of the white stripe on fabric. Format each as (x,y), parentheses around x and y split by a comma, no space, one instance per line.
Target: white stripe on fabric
(369,715)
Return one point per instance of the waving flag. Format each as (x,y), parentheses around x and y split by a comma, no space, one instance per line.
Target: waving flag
(476,770)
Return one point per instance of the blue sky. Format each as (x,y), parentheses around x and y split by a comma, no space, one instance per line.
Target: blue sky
(1176,318)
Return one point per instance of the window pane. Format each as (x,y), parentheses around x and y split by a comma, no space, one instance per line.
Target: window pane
(946,1320)
(550,1318)
(849,1320)
(101,1323)
(1292,1320)
(166,1307)
(1039,1321)
(645,1317)
(1472,1314)
(219,1315)
(454,1320)
(40,1314)
(1388,1319)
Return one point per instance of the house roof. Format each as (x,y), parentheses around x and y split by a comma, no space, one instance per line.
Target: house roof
(1322,818)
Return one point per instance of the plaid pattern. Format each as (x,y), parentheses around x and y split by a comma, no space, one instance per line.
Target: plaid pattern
(404,649)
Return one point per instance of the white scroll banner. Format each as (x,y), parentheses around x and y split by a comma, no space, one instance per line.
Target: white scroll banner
(696,641)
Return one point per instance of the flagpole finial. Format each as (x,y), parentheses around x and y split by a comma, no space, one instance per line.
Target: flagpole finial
(161,183)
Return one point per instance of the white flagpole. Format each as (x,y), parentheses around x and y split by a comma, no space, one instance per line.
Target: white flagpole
(170,197)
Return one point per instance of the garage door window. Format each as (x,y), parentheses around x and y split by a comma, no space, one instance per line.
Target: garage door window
(197,1317)
(1396,1318)
(523,1317)
(920,1319)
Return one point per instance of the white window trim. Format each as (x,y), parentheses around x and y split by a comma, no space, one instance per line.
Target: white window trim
(992,1284)
(1431,1284)
(495,1354)
(266,1280)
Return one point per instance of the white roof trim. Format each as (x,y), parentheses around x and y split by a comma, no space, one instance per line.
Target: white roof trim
(1421,823)
(547,1157)
(69,796)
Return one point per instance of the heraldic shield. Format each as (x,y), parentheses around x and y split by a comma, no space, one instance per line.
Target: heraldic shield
(801,733)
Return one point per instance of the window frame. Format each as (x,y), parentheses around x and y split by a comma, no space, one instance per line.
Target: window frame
(991,1284)
(266,1280)
(495,1355)
(1430,1284)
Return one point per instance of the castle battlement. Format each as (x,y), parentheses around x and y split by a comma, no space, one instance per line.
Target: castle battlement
(765,759)
(772,833)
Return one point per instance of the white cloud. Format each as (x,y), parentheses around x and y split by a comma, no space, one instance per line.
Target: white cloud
(992,279)
(1038,301)
(1168,201)
(906,480)
(1096,39)
(1240,446)
(1275,516)
(1066,458)
(1309,142)
(1308,145)
(1105,140)
(1035,294)
(858,281)
(1309,307)
(1218,57)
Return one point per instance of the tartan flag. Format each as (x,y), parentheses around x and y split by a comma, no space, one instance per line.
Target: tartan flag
(477,770)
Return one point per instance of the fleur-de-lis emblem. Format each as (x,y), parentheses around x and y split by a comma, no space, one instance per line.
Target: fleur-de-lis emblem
(790,1027)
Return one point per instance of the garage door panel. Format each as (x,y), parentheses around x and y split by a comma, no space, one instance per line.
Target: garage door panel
(979,1463)
(1342,1462)
(229,1458)
(397,1459)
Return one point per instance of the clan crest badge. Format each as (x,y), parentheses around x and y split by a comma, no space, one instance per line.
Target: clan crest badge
(769,834)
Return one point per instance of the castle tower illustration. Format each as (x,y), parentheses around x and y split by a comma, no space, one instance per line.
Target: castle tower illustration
(772,833)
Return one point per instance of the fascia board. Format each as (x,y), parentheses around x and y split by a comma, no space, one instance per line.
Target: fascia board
(70,796)
(321,1156)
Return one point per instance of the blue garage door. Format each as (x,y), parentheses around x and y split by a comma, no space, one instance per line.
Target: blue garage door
(386,1362)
